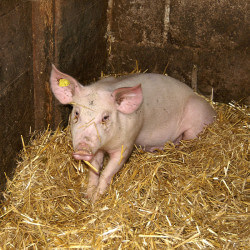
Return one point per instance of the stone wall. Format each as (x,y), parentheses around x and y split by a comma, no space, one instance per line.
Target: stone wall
(201,42)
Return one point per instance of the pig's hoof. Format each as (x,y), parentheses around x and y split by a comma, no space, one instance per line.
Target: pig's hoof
(91,190)
(92,196)
(95,197)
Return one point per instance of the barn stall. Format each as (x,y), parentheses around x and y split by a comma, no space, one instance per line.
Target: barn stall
(193,196)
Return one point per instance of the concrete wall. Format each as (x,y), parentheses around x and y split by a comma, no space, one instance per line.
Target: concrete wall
(205,40)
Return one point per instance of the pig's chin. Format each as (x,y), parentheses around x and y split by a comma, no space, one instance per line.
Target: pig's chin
(81,155)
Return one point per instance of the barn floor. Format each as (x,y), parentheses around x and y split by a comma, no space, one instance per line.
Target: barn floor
(193,196)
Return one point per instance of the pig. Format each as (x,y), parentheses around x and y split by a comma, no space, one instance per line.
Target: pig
(112,115)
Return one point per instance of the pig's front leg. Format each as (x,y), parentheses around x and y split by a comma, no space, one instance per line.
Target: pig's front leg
(97,162)
(116,161)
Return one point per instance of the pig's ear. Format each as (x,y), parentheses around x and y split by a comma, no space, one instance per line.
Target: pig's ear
(63,86)
(128,99)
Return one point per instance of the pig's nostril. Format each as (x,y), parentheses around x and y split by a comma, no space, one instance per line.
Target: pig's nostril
(83,150)
(83,154)
(86,152)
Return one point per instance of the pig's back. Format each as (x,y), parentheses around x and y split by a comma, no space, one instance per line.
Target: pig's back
(161,93)
(149,81)
(158,90)
(164,100)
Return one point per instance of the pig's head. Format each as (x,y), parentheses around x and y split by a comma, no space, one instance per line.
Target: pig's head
(95,118)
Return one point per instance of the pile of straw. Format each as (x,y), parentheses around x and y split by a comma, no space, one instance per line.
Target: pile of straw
(192,196)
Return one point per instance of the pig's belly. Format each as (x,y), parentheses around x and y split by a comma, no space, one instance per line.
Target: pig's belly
(151,139)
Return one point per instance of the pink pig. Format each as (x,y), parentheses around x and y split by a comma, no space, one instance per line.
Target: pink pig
(114,114)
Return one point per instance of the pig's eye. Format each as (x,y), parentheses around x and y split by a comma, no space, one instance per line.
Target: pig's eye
(105,118)
(76,116)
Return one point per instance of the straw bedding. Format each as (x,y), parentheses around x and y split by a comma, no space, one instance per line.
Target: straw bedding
(193,196)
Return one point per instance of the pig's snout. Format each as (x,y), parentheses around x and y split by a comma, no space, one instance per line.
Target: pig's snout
(83,152)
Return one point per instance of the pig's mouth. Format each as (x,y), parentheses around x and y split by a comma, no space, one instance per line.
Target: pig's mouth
(83,154)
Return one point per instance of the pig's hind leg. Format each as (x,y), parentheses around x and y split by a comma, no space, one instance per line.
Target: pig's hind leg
(198,114)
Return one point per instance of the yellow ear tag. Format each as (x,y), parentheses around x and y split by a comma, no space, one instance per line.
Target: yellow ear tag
(64,82)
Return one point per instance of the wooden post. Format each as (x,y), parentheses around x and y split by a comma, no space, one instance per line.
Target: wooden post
(43,27)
